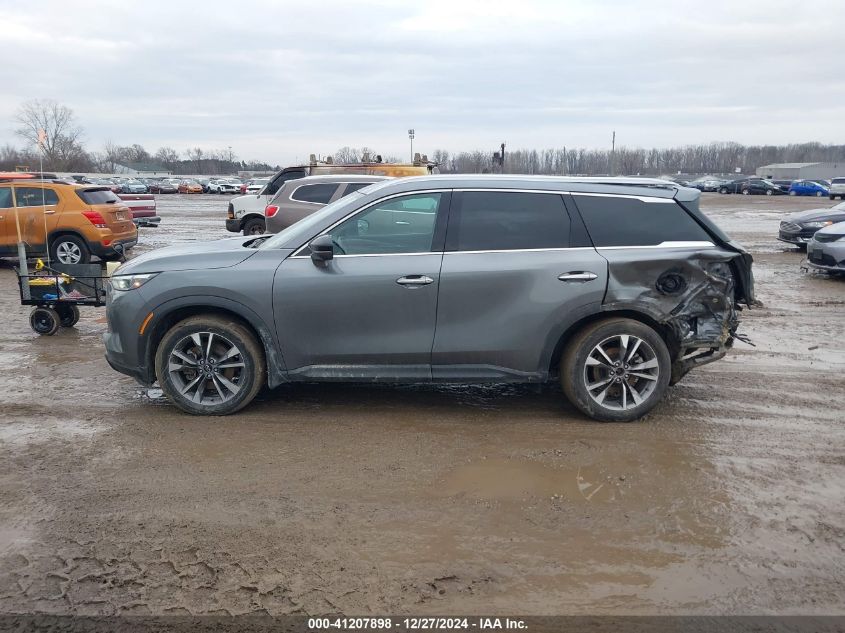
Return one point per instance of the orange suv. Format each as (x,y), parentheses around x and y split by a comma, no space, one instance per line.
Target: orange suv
(72,222)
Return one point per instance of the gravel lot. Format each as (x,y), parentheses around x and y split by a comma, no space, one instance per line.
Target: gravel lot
(368,499)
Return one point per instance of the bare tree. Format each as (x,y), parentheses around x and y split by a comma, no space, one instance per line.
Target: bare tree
(347,156)
(61,141)
(167,156)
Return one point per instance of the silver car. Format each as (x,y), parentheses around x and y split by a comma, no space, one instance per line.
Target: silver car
(613,287)
(826,249)
(300,198)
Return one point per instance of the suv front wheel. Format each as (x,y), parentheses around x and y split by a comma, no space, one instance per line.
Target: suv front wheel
(210,365)
(615,370)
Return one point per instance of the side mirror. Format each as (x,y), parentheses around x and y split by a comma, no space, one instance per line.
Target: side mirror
(322,249)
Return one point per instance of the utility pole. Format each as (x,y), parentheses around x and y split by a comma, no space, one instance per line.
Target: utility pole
(502,170)
(411,136)
(613,154)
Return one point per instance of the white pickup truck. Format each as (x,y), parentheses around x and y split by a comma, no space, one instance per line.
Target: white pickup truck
(246,213)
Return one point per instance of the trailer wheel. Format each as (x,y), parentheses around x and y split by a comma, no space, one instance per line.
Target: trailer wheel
(68,315)
(44,321)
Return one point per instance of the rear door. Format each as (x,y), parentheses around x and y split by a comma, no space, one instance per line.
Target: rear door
(8,229)
(514,269)
(37,209)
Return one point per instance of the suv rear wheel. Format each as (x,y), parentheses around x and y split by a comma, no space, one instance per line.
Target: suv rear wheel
(210,365)
(615,370)
(254,226)
(70,249)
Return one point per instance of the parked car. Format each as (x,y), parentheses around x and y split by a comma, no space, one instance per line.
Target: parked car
(837,188)
(758,186)
(300,198)
(799,227)
(164,186)
(243,209)
(133,186)
(826,249)
(224,185)
(189,186)
(70,222)
(733,186)
(143,208)
(807,188)
(615,288)
(255,185)
(204,183)
(783,184)
(706,183)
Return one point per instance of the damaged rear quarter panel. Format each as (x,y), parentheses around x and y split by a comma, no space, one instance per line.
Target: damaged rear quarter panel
(690,291)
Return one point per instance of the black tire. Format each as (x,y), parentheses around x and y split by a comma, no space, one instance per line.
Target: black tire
(819,194)
(68,314)
(723,190)
(249,381)
(44,321)
(575,371)
(792,193)
(746,192)
(255,226)
(69,249)
(769,192)
(832,197)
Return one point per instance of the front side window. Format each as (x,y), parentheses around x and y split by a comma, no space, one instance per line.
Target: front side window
(617,221)
(6,198)
(315,194)
(502,220)
(35,197)
(396,225)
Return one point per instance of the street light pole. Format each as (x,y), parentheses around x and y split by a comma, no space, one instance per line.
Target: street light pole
(411,136)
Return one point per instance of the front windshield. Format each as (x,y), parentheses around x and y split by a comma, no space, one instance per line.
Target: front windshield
(309,222)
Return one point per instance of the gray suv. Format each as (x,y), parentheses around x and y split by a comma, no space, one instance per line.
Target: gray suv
(615,287)
(300,198)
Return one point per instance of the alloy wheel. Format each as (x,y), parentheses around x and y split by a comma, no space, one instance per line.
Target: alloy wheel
(68,253)
(207,368)
(621,372)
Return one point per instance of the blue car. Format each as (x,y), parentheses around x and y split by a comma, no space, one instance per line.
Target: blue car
(808,188)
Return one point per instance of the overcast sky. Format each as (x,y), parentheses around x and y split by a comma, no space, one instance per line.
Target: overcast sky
(279,80)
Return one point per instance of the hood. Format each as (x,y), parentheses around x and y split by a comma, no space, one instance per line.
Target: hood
(812,215)
(192,256)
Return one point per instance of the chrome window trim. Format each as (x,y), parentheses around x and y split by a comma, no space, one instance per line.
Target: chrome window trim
(625,195)
(678,244)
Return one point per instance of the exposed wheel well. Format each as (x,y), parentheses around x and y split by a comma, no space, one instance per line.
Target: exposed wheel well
(179,314)
(663,331)
(60,232)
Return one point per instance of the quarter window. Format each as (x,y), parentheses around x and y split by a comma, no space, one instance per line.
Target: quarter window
(35,197)
(318,194)
(355,186)
(500,220)
(613,221)
(396,225)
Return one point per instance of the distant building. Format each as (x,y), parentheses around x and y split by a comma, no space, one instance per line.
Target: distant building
(801,171)
(142,169)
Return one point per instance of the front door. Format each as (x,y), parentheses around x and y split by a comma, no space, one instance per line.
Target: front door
(8,230)
(368,313)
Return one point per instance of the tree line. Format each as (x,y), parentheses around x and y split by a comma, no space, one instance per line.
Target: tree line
(61,147)
(63,150)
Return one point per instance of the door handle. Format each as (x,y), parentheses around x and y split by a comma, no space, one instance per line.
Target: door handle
(413,281)
(49,211)
(579,276)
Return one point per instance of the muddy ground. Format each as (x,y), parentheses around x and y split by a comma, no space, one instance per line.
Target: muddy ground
(332,498)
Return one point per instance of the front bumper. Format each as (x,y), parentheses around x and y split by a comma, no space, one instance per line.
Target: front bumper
(235,225)
(125,312)
(794,238)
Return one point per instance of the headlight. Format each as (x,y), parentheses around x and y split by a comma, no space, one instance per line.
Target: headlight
(130,282)
(816,225)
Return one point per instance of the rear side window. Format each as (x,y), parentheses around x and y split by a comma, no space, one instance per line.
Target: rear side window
(355,186)
(616,221)
(502,220)
(5,198)
(97,196)
(319,193)
(35,197)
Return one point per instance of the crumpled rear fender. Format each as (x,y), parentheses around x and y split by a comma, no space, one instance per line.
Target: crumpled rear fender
(690,292)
